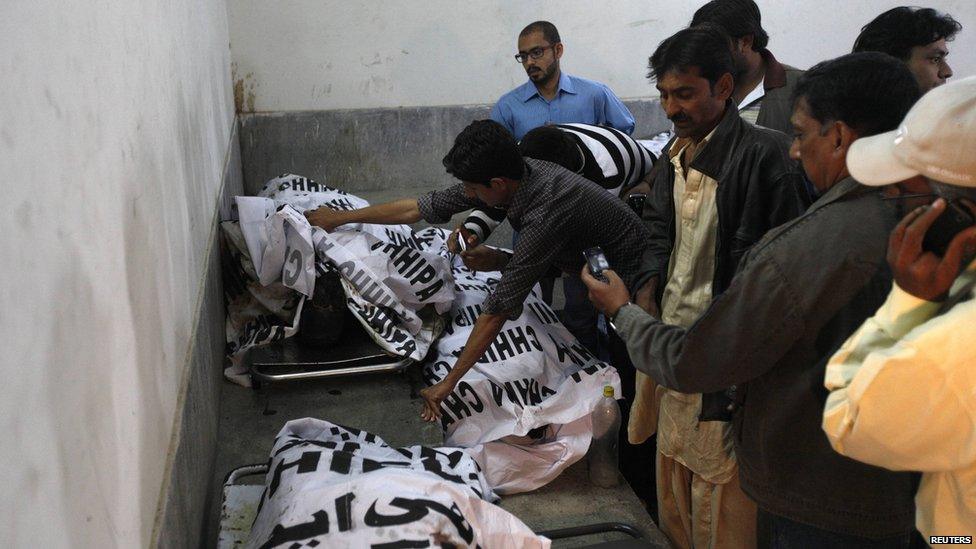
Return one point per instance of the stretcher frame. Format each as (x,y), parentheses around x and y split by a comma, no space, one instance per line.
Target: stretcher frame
(292,360)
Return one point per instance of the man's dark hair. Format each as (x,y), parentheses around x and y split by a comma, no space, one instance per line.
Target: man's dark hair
(547,29)
(737,18)
(551,144)
(869,91)
(706,47)
(482,151)
(900,29)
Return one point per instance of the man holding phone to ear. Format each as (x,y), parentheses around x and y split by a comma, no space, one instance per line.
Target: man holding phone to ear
(902,386)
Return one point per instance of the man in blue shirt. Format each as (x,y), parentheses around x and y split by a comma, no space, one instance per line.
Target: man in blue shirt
(551,97)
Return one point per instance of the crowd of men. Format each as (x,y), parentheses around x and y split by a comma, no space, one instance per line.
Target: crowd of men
(791,312)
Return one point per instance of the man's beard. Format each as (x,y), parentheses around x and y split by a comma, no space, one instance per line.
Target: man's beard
(546,74)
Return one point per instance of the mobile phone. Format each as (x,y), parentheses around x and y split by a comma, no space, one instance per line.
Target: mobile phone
(954,219)
(596,261)
(462,245)
(636,203)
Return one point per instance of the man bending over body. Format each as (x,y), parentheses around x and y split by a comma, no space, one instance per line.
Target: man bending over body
(558,213)
(606,156)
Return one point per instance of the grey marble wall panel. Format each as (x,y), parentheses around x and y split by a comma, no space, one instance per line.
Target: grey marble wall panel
(191,490)
(372,149)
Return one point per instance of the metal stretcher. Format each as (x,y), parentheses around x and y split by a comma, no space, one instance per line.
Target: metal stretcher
(242,491)
(291,359)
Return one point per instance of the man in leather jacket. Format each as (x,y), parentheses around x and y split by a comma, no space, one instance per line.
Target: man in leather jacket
(798,294)
(719,186)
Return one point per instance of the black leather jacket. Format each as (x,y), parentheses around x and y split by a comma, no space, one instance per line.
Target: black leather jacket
(799,294)
(759,187)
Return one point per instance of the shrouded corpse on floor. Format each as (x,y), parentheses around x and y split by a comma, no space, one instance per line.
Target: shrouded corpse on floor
(334,486)
(396,286)
(522,411)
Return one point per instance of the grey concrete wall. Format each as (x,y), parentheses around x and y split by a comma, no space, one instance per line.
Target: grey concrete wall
(369,150)
(115,123)
(190,490)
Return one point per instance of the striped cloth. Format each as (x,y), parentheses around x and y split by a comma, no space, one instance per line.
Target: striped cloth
(611,158)
(751,103)
(750,113)
(558,215)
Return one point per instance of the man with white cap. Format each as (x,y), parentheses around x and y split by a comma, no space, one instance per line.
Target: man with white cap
(903,387)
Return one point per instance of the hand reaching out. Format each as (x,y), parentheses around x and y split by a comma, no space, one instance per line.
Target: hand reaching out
(324,217)
(433,396)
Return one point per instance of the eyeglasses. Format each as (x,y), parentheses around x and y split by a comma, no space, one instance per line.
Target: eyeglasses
(534,53)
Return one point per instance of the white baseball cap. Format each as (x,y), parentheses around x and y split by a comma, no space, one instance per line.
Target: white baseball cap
(936,139)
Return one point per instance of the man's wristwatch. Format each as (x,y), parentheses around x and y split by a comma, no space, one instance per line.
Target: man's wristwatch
(610,318)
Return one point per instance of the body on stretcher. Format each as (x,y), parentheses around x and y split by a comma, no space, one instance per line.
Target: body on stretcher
(243,488)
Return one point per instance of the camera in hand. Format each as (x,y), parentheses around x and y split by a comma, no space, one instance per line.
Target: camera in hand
(953,220)
(596,262)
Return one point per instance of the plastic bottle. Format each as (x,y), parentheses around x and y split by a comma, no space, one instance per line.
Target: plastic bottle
(602,457)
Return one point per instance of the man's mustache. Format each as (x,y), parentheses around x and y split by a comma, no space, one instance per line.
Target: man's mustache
(679,118)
